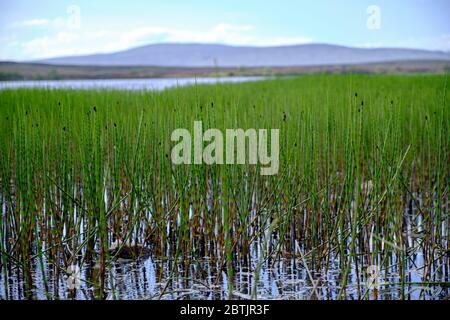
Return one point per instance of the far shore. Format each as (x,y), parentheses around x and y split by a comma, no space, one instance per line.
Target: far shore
(14,71)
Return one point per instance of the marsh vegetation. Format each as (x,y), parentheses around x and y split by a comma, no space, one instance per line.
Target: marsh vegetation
(86,179)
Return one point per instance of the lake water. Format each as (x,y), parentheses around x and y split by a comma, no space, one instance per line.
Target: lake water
(149,277)
(205,279)
(123,84)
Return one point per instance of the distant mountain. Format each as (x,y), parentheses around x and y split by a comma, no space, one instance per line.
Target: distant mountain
(210,55)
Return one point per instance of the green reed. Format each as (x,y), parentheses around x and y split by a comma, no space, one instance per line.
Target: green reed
(80,170)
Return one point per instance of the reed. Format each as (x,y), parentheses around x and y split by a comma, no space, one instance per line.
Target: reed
(363,177)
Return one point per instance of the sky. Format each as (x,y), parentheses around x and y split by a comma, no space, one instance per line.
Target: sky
(32,29)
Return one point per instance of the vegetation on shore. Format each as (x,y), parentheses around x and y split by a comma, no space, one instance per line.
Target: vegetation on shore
(10,71)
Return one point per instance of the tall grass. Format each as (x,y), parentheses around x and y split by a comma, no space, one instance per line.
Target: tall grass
(364,171)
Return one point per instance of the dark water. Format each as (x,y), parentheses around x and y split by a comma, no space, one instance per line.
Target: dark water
(123,84)
(297,276)
(284,278)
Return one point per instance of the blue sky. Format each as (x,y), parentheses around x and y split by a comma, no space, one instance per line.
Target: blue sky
(39,29)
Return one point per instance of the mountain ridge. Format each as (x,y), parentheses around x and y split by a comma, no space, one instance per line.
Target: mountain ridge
(220,55)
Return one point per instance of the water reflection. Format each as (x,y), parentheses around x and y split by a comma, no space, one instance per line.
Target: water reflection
(282,279)
(123,84)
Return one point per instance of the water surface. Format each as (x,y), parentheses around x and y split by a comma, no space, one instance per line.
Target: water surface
(123,84)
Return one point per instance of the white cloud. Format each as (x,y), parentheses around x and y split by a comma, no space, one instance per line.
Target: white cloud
(32,23)
(74,42)
(59,44)
(441,43)
(72,21)
(56,23)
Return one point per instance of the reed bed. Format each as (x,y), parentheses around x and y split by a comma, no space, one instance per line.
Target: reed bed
(363,179)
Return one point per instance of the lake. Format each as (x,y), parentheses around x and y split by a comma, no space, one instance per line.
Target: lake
(122,84)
